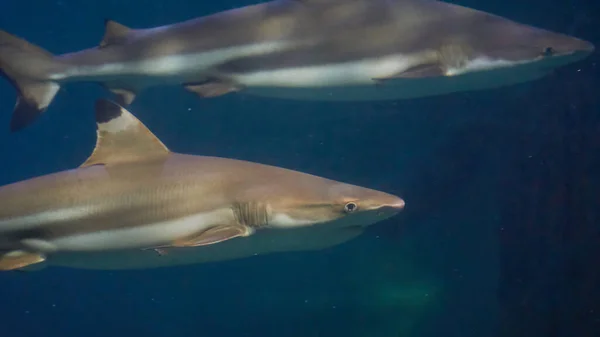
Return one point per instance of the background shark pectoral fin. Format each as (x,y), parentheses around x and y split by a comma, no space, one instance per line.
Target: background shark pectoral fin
(19,259)
(122,138)
(114,33)
(212,89)
(123,96)
(214,235)
(33,100)
(418,71)
(161,251)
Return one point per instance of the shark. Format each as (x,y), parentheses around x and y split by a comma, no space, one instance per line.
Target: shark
(324,50)
(134,194)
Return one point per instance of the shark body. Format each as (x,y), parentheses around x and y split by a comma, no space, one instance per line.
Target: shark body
(133,194)
(340,50)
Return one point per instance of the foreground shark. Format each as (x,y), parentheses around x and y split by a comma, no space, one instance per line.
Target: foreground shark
(301,49)
(133,193)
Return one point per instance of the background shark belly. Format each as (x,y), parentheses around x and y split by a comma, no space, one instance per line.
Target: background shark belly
(396,89)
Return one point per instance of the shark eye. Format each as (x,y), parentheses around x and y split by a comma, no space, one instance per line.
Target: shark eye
(549,51)
(350,207)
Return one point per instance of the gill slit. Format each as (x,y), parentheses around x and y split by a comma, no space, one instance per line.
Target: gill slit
(251,214)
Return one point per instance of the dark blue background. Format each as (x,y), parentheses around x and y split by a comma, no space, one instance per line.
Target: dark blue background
(466,164)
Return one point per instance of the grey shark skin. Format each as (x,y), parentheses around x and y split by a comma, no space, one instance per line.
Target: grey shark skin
(300,49)
(132,193)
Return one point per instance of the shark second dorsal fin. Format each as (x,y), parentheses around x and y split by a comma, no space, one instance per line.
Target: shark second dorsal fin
(114,33)
(122,138)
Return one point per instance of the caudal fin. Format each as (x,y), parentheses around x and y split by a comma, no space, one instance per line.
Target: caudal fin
(28,68)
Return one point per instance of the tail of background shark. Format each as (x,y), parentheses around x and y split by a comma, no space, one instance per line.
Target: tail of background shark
(28,68)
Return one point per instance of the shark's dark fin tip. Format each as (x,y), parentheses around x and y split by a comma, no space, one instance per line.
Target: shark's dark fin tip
(23,115)
(107,110)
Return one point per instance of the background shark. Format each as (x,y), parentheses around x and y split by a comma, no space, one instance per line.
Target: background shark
(132,193)
(300,49)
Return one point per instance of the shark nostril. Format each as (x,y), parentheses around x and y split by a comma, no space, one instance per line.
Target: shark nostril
(549,51)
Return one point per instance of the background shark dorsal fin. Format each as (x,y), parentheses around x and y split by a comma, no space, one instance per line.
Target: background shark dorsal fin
(122,138)
(114,33)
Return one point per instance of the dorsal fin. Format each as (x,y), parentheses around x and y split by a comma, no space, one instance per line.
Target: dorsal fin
(122,138)
(114,33)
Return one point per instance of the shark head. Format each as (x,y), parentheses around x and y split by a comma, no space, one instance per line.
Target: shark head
(496,43)
(305,200)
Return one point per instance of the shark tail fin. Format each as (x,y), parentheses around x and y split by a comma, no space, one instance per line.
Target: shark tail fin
(28,68)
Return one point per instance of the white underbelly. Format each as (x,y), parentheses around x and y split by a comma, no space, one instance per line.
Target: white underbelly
(262,243)
(358,88)
(156,234)
(329,75)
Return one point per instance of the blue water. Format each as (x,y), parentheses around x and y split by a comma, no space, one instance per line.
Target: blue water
(498,237)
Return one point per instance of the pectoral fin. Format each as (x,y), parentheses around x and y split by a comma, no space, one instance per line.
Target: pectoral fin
(214,235)
(212,88)
(18,259)
(418,71)
(123,96)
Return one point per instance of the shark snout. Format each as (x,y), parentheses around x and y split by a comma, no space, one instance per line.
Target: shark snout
(391,206)
(587,46)
(576,46)
(560,44)
(397,204)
